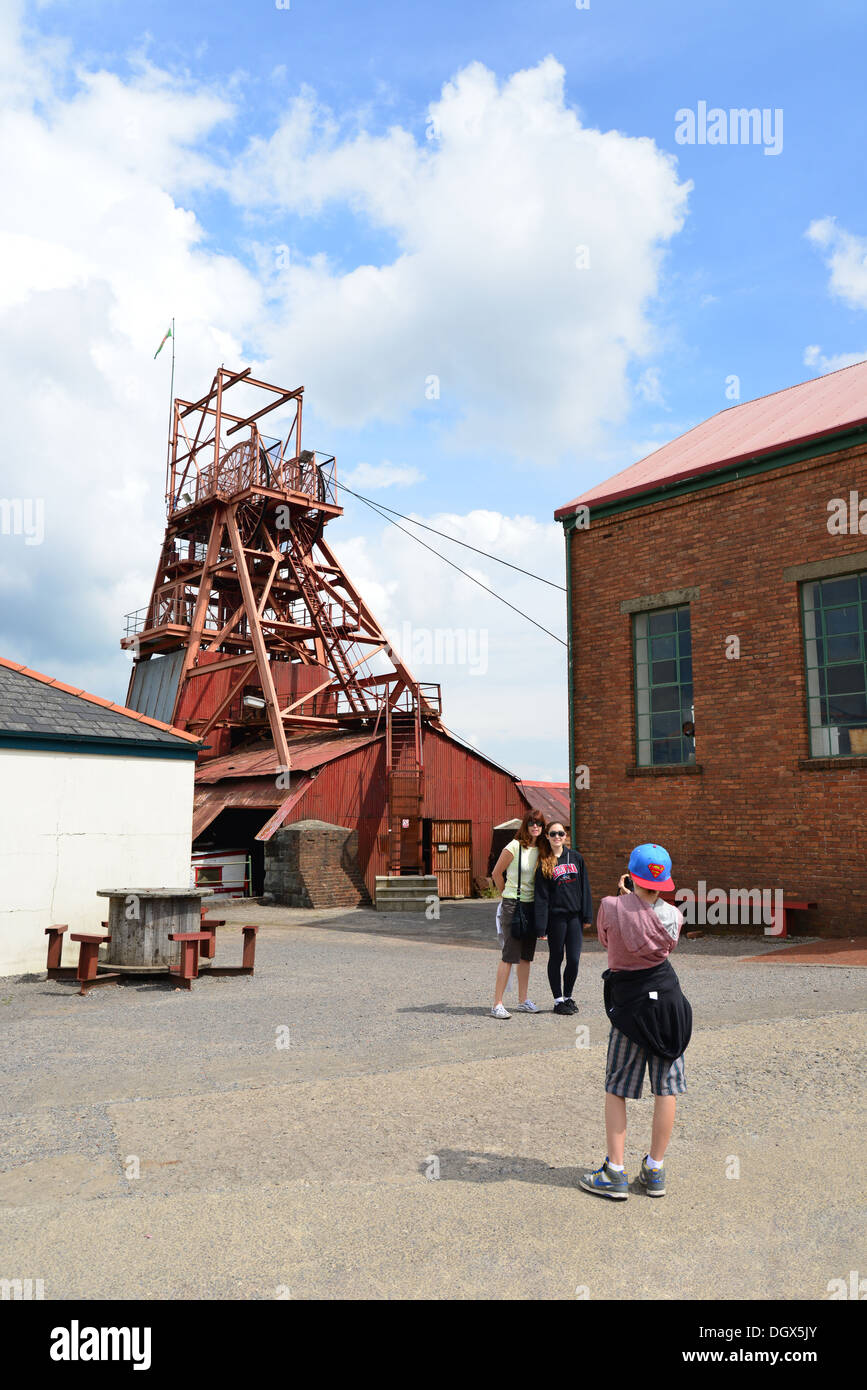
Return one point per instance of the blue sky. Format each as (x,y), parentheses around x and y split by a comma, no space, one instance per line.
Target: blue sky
(710,273)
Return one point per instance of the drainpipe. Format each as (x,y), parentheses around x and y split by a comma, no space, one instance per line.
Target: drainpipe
(568,529)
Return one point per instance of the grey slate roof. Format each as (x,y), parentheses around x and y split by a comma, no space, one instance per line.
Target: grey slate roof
(35,707)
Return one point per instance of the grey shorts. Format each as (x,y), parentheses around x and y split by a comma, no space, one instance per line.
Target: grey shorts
(516,949)
(624,1070)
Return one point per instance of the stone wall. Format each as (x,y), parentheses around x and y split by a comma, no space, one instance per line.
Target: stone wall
(313,864)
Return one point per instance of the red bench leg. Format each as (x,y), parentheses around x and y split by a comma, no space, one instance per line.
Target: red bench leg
(189,964)
(249,956)
(190,943)
(54,970)
(88,958)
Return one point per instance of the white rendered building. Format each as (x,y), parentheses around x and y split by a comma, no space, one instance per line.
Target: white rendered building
(92,795)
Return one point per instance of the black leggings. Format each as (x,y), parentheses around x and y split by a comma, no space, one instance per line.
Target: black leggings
(564,933)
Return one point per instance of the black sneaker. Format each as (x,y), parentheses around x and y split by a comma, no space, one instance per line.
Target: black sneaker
(562,1007)
(571,1006)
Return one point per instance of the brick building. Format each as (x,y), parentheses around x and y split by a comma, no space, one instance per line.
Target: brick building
(717,595)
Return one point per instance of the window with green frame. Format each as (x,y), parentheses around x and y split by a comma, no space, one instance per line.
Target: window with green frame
(835,639)
(662,643)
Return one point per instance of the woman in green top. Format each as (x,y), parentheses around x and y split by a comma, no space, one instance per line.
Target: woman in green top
(517,951)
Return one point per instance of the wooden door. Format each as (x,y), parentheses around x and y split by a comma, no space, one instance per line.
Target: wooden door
(452,857)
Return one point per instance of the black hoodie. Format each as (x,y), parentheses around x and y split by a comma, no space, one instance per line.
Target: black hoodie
(650,1008)
(567,893)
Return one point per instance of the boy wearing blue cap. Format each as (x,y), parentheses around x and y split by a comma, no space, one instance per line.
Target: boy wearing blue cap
(651,1021)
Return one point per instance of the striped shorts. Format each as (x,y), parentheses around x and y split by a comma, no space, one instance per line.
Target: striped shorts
(624,1070)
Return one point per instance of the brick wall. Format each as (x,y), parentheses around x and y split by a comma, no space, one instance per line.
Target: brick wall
(313,864)
(759,813)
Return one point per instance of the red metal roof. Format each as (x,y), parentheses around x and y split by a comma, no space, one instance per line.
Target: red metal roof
(796,415)
(254,794)
(551,798)
(307,751)
(98,700)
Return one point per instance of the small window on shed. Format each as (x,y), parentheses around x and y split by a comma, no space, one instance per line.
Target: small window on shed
(665,731)
(835,641)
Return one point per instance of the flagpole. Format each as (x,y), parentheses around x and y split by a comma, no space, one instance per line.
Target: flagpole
(171,422)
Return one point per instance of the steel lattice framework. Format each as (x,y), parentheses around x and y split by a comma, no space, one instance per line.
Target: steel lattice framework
(253,603)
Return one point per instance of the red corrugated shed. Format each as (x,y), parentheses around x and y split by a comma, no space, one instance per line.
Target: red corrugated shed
(341,780)
(797,415)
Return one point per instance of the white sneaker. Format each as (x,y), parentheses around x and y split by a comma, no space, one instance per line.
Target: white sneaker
(500,1012)
(528,1007)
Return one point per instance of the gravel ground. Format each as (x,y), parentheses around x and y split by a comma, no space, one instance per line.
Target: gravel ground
(283,1125)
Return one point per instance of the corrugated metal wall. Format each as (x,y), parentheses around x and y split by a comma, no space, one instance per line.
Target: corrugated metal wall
(457,787)
(155,685)
(460,786)
(204,693)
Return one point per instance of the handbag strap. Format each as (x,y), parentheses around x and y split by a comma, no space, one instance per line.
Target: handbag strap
(520,850)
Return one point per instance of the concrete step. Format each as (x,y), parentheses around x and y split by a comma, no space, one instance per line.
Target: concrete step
(405,892)
(395,903)
(404,881)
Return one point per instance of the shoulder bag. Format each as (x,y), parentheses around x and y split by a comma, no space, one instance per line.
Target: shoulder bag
(517,924)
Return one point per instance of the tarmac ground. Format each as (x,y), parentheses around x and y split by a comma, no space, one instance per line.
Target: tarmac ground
(351,1123)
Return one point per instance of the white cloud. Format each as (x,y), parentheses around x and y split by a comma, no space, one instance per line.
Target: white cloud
(846,258)
(98,251)
(649,387)
(482,289)
(814,357)
(95,258)
(486,656)
(380,475)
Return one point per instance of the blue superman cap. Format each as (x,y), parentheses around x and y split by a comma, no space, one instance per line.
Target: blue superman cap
(650,867)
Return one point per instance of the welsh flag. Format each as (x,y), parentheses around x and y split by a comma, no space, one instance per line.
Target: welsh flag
(162,344)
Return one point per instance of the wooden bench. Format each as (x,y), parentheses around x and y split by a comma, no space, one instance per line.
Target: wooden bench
(88,958)
(778,929)
(781,928)
(196,943)
(247,959)
(188,969)
(209,925)
(54,970)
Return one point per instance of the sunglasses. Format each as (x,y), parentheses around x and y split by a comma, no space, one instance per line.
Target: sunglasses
(556,834)
(535,822)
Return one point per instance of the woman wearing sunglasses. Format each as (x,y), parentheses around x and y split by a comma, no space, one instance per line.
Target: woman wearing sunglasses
(514,876)
(562,902)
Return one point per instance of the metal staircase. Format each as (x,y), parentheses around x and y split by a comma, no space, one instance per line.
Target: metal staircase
(404,773)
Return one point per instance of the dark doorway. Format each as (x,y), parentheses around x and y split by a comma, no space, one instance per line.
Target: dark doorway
(238,830)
